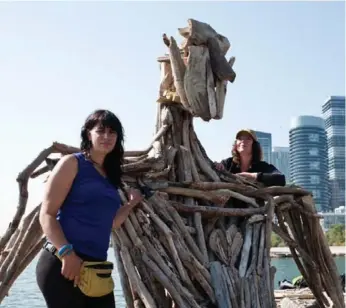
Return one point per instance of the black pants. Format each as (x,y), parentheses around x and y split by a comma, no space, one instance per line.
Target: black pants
(60,292)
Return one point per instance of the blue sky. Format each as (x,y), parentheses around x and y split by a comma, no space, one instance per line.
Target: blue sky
(60,61)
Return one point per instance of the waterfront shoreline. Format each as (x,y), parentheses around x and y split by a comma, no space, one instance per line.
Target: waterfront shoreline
(284,252)
(298,297)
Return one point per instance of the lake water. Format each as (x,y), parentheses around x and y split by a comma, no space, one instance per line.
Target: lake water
(25,291)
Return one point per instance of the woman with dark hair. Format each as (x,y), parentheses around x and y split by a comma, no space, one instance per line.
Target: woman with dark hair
(247,162)
(80,206)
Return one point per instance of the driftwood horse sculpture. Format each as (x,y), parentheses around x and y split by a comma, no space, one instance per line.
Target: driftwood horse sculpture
(201,238)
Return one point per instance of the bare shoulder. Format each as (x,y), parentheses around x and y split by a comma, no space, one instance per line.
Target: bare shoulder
(67,165)
(59,183)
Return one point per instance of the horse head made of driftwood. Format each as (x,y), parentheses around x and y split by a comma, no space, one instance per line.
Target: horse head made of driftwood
(195,75)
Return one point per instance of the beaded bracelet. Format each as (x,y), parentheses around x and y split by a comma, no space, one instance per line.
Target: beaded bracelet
(65,250)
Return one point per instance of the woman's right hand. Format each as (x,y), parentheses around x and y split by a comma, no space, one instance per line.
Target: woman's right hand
(71,267)
(219,166)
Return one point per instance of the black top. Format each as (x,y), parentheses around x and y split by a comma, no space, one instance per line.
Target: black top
(267,174)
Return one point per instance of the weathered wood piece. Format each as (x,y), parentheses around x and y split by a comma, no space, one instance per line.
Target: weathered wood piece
(167,81)
(221,68)
(198,33)
(195,82)
(222,292)
(178,69)
(221,91)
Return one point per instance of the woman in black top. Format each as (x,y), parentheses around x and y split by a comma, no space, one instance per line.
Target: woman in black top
(247,162)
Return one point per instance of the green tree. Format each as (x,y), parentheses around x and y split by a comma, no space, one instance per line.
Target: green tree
(277,241)
(336,235)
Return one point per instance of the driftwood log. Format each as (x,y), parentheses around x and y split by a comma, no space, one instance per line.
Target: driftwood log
(201,238)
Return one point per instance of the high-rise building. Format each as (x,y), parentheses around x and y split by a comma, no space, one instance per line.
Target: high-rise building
(265,140)
(281,160)
(333,111)
(308,158)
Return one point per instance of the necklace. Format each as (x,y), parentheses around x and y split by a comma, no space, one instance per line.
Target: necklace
(94,162)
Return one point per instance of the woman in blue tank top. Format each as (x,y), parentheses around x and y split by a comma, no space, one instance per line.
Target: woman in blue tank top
(81,204)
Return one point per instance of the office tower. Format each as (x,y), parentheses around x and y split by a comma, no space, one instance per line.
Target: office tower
(281,160)
(333,111)
(265,140)
(308,157)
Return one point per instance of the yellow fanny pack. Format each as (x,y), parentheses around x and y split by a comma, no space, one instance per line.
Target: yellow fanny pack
(96,278)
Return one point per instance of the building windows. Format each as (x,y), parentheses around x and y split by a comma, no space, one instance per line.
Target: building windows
(316,193)
(265,141)
(337,111)
(313,137)
(313,152)
(336,152)
(308,157)
(334,111)
(336,130)
(336,174)
(314,179)
(336,141)
(314,165)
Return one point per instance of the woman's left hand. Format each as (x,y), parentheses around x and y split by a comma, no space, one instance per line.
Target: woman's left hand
(134,196)
(248,175)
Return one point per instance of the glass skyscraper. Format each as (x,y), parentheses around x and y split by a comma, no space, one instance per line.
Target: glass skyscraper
(265,140)
(281,160)
(308,158)
(333,111)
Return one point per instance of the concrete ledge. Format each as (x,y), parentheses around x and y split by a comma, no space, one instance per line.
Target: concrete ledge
(284,252)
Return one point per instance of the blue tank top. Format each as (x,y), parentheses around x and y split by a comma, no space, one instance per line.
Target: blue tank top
(87,214)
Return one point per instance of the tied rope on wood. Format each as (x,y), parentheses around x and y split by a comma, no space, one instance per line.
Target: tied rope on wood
(201,237)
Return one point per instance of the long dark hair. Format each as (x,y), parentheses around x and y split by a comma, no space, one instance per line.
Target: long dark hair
(113,160)
(257,154)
